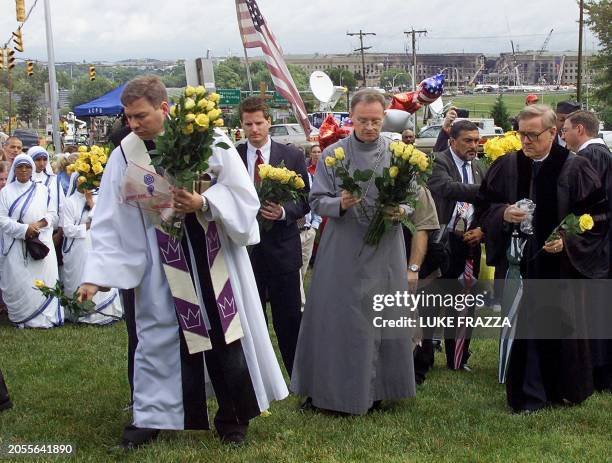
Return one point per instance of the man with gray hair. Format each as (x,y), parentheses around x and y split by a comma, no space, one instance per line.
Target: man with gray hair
(545,372)
(344,362)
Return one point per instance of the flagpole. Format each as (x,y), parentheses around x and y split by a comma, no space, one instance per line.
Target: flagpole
(246,60)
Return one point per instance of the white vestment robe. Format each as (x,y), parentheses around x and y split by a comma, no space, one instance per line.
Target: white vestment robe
(124,241)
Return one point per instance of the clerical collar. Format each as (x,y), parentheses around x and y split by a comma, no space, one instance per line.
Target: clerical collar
(592,141)
(543,159)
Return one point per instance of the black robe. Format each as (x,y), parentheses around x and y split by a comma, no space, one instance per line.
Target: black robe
(544,371)
(601,349)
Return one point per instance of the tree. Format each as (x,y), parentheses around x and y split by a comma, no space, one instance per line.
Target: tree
(499,113)
(343,77)
(28,107)
(394,78)
(85,90)
(600,17)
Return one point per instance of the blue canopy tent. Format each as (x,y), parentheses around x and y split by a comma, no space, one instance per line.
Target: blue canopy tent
(108,104)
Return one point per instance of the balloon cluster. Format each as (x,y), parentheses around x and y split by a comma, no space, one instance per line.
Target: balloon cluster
(429,91)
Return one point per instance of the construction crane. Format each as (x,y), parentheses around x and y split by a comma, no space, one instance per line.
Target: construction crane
(482,66)
(545,44)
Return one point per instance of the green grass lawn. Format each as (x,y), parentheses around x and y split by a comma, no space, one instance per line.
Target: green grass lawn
(69,385)
(480,104)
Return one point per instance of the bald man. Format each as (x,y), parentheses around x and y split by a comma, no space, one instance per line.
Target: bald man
(408,137)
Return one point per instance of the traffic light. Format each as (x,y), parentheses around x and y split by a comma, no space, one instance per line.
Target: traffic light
(30,68)
(10,58)
(21,12)
(92,73)
(18,40)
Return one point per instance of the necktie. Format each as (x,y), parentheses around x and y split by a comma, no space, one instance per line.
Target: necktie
(258,162)
(536,168)
(464,173)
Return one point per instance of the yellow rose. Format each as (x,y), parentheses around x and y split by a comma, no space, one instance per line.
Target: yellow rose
(189,91)
(103,159)
(393,146)
(214,114)
(39,283)
(97,168)
(393,171)
(210,105)
(339,153)
(203,104)
(218,123)
(70,169)
(173,111)
(202,120)
(94,158)
(189,104)
(298,183)
(264,170)
(82,149)
(330,161)
(81,180)
(215,97)
(96,183)
(187,130)
(190,117)
(200,90)
(84,167)
(586,222)
(423,164)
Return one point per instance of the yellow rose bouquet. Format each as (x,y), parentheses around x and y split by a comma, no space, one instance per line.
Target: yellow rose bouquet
(90,166)
(572,225)
(496,147)
(399,183)
(183,150)
(278,185)
(339,166)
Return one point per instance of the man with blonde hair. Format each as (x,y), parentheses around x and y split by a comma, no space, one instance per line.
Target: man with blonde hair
(544,372)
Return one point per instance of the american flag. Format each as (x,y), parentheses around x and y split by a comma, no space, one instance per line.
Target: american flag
(431,89)
(256,34)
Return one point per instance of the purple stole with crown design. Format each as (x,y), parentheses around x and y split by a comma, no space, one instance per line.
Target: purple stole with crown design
(190,315)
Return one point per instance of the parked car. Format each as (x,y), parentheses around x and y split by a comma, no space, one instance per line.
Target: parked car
(427,136)
(606,136)
(293,134)
(29,138)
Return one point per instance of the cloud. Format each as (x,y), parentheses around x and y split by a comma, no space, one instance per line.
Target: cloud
(90,30)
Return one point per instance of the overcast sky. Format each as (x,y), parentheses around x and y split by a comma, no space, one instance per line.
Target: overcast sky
(109,30)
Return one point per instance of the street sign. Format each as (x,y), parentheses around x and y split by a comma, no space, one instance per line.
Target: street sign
(229,96)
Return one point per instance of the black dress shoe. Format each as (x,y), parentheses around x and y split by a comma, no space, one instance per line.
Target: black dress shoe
(307,405)
(6,405)
(233,438)
(134,437)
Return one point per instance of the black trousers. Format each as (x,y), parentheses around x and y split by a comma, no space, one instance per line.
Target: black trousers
(129,307)
(283,292)
(4,395)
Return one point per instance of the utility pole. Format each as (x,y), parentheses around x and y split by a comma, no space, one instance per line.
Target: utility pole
(414,61)
(579,76)
(362,49)
(53,97)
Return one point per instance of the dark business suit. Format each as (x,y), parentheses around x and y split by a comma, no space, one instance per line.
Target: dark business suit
(447,188)
(277,258)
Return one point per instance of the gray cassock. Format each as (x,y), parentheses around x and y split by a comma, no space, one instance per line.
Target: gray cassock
(342,361)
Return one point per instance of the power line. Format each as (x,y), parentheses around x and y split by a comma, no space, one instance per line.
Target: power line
(24,21)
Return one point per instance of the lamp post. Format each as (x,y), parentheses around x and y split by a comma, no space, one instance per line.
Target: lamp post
(394,77)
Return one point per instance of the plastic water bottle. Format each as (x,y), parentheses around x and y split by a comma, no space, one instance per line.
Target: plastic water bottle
(528,206)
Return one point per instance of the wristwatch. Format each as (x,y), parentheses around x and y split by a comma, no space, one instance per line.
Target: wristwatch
(204,204)
(414,268)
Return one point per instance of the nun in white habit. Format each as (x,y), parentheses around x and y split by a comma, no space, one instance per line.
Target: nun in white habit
(26,211)
(75,220)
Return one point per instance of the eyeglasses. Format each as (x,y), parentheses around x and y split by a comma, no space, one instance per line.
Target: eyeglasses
(566,129)
(532,136)
(373,122)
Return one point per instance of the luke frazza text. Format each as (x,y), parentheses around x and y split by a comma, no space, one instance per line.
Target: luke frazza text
(407,300)
(443,322)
